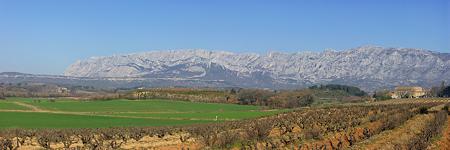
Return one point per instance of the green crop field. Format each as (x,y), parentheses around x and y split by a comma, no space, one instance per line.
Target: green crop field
(52,120)
(119,105)
(6,105)
(64,113)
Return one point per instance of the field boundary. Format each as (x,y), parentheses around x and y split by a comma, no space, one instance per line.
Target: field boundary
(32,107)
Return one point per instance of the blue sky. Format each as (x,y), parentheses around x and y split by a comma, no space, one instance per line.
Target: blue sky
(45,37)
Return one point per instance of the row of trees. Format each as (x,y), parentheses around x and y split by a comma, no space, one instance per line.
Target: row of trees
(281,99)
(185,94)
(298,98)
(33,90)
(440,91)
(445,92)
(354,91)
(270,98)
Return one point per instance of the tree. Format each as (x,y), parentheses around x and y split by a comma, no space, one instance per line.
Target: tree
(2,95)
(446,92)
(306,100)
(254,96)
(381,95)
(291,99)
(441,89)
(434,91)
(233,91)
(406,95)
(259,130)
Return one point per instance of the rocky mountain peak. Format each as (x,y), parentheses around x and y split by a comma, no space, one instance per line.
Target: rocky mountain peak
(358,66)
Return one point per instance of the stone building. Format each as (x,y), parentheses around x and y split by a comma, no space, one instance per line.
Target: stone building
(408,92)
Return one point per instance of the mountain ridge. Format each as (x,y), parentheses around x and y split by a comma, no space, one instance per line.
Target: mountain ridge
(356,66)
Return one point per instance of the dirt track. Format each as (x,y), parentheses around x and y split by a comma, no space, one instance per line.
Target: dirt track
(34,108)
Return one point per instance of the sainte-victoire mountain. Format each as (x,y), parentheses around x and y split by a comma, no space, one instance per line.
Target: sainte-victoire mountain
(369,67)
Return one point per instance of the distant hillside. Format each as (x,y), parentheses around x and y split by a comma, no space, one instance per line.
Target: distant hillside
(367,67)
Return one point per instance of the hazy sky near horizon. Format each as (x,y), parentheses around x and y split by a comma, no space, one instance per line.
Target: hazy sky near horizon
(46,36)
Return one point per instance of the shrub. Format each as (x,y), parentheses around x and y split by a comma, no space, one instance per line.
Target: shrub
(65,137)
(445,92)
(208,134)
(259,129)
(137,133)
(226,139)
(433,128)
(423,110)
(373,118)
(6,144)
(2,95)
(44,139)
(115,137)
(445,108)
(382,95)
(313,133)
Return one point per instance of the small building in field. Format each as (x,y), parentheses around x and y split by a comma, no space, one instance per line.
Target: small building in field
(408,92)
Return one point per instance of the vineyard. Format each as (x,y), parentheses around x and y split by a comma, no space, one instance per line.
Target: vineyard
(405,125)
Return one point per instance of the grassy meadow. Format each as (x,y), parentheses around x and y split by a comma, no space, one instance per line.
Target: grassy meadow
(65,113)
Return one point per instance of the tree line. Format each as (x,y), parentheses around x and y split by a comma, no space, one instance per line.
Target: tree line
(275,99)
(440,91)
(262,97)
(299,97)
(354,91)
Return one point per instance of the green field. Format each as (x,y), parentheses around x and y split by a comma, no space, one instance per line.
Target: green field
(7,105)
(119,105)
(63,113)
(50,120)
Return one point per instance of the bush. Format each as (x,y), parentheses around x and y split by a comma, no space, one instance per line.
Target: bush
(65,137)
(423,110)
(208,135)
(313,134)
(2,96)
(373,118)
(259,130)
(445,92)
(382,95)
(226,139)
(445,108)
(45,138)
(433,128)
(6,144)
